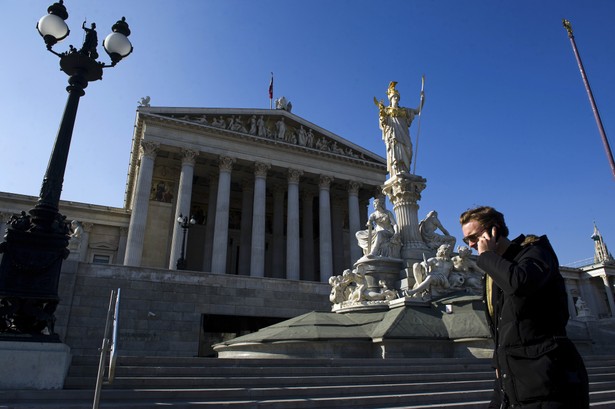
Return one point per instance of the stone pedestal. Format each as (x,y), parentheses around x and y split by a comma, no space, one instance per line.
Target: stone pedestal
(404,192)
(33,365)
(380,269)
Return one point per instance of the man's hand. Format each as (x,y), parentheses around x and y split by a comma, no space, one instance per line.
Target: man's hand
(487,241)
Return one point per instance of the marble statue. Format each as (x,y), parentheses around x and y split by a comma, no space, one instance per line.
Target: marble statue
(144,102)
(582,308)
(76,229)
(395,123)
(322,144)
(76,235)
(428,227)
(471,272)
(302,136)
(280,128)
(282,103)
(253,125)
(261,128)
(350,288)
(358,292)
(435,274)
(337,289)
(235,124)
(387,293)
(344,287)
(310,139)
(381,239)
(219,122)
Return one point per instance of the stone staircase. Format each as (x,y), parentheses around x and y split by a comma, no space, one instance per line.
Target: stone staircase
(177,383)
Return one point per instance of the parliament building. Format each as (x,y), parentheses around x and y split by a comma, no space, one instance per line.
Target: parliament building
(233,220)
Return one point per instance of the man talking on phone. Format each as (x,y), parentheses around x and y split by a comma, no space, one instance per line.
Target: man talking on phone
(536,365)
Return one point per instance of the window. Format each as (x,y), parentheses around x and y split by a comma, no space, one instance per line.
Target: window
(101,259)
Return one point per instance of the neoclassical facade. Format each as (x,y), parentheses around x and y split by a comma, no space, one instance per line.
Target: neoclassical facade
(272,195)
(276,202)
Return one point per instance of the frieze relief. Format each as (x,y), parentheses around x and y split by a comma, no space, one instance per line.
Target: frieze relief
(274,128)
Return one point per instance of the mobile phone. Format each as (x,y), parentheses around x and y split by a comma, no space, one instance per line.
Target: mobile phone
(497,232)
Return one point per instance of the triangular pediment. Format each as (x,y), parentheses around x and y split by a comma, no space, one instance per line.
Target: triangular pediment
(273,125)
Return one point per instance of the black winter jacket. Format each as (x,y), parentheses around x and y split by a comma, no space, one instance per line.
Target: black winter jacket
(535,360)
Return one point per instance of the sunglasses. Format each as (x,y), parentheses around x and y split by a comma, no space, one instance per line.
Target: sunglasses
(473,237)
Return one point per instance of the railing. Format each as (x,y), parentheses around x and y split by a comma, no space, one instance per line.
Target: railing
(580,263)
(108,345)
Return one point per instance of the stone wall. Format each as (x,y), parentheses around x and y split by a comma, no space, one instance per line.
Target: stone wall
(161,310)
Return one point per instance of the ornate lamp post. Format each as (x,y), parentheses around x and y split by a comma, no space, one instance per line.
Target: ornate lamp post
(185,224)
(36,242)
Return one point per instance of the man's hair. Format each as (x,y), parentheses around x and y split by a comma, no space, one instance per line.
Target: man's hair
(487,217)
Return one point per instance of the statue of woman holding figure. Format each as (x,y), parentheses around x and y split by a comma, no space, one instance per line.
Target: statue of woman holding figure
(382,234)
(395,123)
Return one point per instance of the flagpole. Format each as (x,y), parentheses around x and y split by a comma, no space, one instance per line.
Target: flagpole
(271,92)
(418,130)
(605,141)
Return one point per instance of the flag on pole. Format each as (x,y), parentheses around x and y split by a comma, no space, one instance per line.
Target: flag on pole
(271,87)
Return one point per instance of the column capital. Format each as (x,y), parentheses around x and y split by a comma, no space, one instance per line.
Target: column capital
(260,169)
(404,190)
(353,187)
(149,148)
(325,181)
(226,163)
(189,156)
(294,175)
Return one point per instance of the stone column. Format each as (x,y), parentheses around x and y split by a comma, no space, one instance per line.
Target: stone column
(363,214)
(184,197)
(220,244)
(140,204)
(210,223)
(326,250)
(245,241)
(293,256)
(404,193)
(4,219)
(354,221)
(609,293)
(337,235)
(307,255)
(121,248)
(277,262)
(257,258)
(85,241)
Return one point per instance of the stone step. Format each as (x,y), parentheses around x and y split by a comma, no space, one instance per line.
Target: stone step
(322,397)
(592,360)
(130,382)
(122,382)
(448,399)
(148,382)
(280,371)
(178,399)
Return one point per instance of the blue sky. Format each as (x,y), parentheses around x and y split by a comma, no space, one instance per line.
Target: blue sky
(506,122)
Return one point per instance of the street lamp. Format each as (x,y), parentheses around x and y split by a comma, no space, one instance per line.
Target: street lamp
(36,242)
(185,224)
